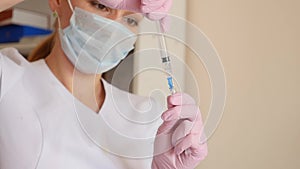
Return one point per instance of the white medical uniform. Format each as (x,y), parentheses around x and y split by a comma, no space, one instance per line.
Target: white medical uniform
(43,126)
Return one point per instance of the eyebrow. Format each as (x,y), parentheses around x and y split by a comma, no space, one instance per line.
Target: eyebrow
(134,13)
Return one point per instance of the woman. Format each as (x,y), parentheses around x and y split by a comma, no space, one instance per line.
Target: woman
(44,104)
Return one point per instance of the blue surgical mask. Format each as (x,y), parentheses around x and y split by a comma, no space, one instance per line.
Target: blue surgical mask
(95,44)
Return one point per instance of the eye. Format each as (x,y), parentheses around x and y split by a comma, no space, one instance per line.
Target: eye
(100,7)
(131,21)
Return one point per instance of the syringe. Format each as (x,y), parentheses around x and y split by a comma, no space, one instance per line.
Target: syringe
(165,58)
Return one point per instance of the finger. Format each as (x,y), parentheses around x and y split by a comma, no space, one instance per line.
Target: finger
(162,144)
(181,131)
(165,24)
(191,144)
(184,144)
(179,99)
(189,112)
(166,127)
(155,16)
(150,6)
(199,151)
(174,116)
(164,136)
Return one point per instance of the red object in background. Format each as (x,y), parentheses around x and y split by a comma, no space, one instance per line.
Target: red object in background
(6,14)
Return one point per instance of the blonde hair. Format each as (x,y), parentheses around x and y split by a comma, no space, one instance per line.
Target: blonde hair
(45,47)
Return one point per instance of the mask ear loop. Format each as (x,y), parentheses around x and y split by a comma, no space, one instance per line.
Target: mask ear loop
(70,5)
(58,19)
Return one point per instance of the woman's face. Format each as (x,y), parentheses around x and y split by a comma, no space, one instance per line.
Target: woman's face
(127,18)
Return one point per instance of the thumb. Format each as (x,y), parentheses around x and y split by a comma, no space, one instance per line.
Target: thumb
(165,24)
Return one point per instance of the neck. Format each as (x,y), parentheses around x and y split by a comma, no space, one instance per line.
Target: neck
(85,87)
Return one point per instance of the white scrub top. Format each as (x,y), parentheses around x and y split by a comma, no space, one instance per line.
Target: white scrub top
(43,126)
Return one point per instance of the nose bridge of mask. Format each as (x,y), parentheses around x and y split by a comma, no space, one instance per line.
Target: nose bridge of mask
(94,23)
(90,43)
(87,42)
(97,27)
(85,19)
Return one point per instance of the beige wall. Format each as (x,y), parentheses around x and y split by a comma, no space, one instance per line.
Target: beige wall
(258,42)
(149,81)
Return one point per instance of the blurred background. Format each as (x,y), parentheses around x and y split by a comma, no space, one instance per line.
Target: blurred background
(258,45)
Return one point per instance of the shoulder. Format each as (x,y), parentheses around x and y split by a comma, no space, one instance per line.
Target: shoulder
(139,113)
(12,56)
(132,102)
(12,65)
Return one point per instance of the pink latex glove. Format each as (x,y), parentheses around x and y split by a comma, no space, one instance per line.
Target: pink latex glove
(5,4)
(177,144)
(156,10)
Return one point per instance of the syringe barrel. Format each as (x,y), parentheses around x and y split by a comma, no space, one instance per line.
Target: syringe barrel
(168,68)
(166,62)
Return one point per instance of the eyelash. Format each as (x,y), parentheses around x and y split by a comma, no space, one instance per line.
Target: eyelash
(130,21)
(99,6)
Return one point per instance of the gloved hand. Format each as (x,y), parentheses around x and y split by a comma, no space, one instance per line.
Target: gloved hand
(152,9)
(177,144)
(5,4)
